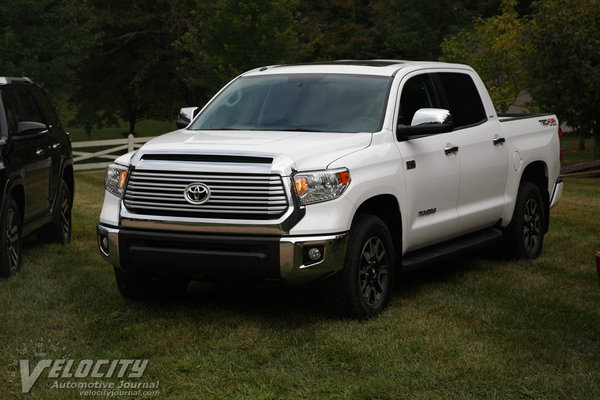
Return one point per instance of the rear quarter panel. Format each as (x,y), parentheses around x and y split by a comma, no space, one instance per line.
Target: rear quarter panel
(530,139)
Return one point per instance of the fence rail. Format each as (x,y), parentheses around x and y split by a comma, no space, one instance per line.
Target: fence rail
(80,156)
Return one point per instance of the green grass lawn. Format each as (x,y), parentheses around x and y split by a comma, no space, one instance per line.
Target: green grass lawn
(470,328)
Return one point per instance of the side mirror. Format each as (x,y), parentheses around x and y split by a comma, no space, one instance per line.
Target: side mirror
(425,122)
(186,115)
(27,129)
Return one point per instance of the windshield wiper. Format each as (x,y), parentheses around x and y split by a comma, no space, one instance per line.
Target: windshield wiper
(300,130)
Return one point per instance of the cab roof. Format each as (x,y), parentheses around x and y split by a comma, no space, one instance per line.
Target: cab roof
(361,67)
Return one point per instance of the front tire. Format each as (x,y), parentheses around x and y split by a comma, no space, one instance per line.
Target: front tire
(363,287)
(10,238)
(525,234)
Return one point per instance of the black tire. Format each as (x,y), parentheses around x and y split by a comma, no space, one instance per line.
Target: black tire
(524,237)
(59,230)
(10,238)
(139,287)
(362,289)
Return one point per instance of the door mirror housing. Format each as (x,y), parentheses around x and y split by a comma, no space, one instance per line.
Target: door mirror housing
(426,122)
(186,115)
(27,129)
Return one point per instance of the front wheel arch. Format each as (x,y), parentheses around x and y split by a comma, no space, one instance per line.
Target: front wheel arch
(362,289)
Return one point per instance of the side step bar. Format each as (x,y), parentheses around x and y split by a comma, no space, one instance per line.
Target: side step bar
(435,253)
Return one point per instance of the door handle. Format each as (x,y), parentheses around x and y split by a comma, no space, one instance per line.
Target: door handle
(498,140)
(56,146)
(450,149)
(39,152)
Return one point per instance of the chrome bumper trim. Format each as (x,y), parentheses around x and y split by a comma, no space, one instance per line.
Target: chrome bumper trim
(292,267)
(556,193)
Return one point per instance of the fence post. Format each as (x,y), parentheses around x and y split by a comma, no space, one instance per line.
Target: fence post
(130,143)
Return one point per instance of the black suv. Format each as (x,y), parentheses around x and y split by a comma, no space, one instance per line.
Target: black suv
(36,171)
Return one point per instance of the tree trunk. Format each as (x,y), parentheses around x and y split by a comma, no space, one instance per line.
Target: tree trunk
(132,119)
(581,143)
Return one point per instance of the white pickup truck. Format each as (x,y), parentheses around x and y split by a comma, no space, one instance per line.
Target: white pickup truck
(346,171)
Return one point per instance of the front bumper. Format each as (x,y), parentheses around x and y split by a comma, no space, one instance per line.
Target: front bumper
(201,256)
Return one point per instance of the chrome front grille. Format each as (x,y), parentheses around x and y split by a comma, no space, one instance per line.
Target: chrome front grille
(232,196)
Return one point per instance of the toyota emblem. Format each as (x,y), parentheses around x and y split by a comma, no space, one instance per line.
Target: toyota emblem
(196,193)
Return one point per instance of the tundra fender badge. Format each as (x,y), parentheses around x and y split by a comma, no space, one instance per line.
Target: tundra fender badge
(196,193)
(429,211)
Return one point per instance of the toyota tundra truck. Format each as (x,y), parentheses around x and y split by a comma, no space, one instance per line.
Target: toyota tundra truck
(345,172)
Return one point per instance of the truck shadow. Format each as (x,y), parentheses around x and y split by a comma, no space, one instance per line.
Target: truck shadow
(308,303)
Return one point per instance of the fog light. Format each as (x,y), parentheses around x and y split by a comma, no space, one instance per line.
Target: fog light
(314,254)
(103,242)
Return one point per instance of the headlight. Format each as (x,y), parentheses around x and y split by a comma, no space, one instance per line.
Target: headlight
(115,178)
(318,186)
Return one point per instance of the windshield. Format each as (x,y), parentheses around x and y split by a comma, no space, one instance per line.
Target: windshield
(299,102)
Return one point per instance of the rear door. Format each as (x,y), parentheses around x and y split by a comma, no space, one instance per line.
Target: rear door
(482,152)
(431,174)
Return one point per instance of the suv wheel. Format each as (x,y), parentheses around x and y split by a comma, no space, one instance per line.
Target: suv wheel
(59,230)
(10,239)
(363,287)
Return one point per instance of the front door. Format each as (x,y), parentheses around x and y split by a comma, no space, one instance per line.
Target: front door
(31,153)
(432,174)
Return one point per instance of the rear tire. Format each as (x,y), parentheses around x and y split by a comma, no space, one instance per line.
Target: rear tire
(525,234)
(10,238)
(363,288)
(59,230)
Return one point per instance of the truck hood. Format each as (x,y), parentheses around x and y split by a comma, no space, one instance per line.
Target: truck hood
(308,150)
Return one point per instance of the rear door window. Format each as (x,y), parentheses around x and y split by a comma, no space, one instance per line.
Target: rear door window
(463,99)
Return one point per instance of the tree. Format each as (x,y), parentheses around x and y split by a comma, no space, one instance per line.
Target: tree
(564,65)
(339,29)
(228,37)
(414,29)
(493,46)
(131,73)
(45,40)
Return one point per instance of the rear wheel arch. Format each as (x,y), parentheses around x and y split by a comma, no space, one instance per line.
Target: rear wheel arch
(69,179)
(537,173)
(17,192)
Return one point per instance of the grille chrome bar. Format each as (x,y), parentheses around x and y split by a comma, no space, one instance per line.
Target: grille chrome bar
(233,196)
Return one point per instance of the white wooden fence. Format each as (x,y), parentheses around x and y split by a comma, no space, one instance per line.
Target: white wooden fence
(80,156)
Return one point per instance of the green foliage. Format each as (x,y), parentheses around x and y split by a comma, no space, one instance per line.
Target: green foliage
(45,40)
(494,47)
(414,29)
(339,29)
(565,64)
(130,73)
(228,37)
